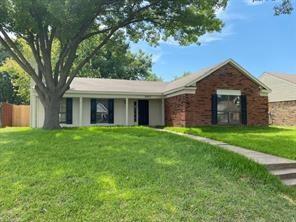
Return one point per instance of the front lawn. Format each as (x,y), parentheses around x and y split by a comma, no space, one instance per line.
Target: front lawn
(279,141)
(132,174)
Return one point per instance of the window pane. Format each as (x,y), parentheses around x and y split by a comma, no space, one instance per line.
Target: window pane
(102,115)
(222,117)
(235,103)
(222,103)
(234,117)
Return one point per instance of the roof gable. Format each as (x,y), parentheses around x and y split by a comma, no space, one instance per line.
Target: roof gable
(211,70)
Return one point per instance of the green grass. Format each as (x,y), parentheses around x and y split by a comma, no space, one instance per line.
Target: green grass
(279,141)
(132,174)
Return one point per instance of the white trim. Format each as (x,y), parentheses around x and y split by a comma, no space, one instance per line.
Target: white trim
(229,92)
(108,96)
(264,92)
(88,125)
(115,93)
(189,90)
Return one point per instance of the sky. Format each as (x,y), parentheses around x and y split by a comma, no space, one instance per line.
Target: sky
(252,36)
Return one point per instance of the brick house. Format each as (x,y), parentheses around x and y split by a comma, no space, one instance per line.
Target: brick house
(222,94)
(282,99)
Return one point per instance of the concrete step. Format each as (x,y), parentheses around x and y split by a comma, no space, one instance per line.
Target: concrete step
(281,166)
(289,182)
(285,173)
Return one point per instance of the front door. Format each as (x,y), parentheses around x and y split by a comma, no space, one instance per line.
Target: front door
(143,112)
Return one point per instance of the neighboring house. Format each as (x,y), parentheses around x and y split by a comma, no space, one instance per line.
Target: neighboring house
(222,94)
(282,99)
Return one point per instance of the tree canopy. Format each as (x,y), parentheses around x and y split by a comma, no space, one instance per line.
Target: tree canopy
(70,23)
(116,61)
(282,6)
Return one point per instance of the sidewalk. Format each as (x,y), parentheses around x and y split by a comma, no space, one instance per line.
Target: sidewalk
(285,169)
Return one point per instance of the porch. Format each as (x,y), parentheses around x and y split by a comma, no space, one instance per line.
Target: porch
(91,110)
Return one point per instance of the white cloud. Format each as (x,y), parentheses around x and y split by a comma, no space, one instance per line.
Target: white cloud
(169,41)
(156,57)
(216,36)
(156,52)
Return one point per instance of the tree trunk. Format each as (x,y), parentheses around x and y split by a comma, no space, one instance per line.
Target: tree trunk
(51,113)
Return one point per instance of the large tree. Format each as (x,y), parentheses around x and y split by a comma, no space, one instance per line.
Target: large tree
(114,61)
(71,22)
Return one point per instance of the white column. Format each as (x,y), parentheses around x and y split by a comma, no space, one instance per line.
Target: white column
(126,111)
(80,110)
(162,112)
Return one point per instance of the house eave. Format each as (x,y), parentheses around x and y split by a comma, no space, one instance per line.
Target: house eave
(181,91)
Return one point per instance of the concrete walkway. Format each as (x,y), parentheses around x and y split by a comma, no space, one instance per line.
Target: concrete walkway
(285,169)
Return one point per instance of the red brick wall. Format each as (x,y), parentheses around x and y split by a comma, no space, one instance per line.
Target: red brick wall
(282,113)
(175,110)
(198,105)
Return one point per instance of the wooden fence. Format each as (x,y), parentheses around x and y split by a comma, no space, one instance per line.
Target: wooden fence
(14,115)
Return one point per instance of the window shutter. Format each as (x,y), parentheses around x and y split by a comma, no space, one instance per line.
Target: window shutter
(93,111)
(69,110)
(214,109)
(111,110)
(244,109)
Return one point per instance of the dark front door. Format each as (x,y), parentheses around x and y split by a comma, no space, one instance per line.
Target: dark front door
(143,111)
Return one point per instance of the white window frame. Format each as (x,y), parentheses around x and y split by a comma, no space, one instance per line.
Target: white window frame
(229,92)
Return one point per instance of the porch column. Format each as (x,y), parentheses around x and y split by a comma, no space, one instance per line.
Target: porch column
(162,112)
(80,110)
(126,111)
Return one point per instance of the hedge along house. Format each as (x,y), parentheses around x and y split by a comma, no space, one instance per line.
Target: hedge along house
(222,94)
(282,99)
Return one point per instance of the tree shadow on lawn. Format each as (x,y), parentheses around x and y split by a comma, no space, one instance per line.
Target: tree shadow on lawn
(134,172)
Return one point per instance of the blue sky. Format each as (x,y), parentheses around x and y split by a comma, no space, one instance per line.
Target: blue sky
(252,36)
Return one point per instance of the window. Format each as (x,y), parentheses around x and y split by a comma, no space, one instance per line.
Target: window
(102,111)
(229,109)
(63,111)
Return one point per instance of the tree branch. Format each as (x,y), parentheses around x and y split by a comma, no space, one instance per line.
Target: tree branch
(27,69)
(16,51)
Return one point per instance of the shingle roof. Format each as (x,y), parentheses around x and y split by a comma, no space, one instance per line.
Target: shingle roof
(288,77)
(283,86)
(117,85)
(187,79)
(147,87)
